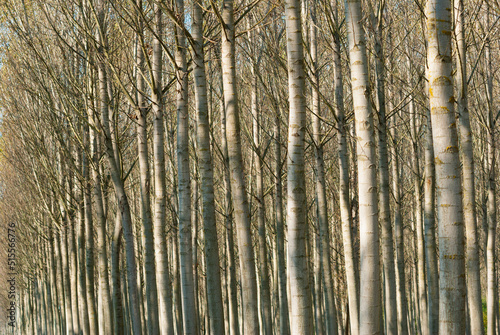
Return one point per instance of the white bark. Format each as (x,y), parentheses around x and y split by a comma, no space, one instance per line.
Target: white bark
(206,175)
(190,325)
(280,231)
(448,172)
(239,195)
(232,319)
(370,300)
(491,299)
(145,182)
(469,199)
(430,231)
(384,194)
(344,198)
(118,182)
(298,272)
(326,276)
(162,269)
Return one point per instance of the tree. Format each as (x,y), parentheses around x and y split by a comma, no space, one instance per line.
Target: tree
(298,273)
(448,172)
(237,175)
(369,314)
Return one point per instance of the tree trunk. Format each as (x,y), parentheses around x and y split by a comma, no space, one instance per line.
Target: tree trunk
(265,293)
(118,182)
(162,269)
(239,195)
(284,326)
(89,235)
(213,280)
(383,174)
(298,272)
(448,172)
(419,229)
(351,267)
(184,183)
(145,183)
(232,290)
(322,208)
(105,327)
(370,302)
(430,231)
(118,318)
(492,303)
(469,201)
(82,295)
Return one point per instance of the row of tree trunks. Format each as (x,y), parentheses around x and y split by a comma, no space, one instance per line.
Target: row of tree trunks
(386,295)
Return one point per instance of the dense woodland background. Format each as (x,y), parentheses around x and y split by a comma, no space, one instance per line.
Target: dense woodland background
(250,167)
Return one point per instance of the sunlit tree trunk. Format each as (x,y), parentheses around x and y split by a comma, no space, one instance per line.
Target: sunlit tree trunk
(383,174)
(469,200)
(238,189)
(145,181)
(325,276)
(491,297)
(298,272)
(351,267)
(231,289)
(448,172)
(184,183)
(370,302)
(206,175)
(162,269)
(118,182)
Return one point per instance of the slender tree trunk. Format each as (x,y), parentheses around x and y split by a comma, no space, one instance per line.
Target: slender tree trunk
(72,261)
(89,236)
(118,181)
(105,326)
(399,237)
(66,277)
(239,195)
(176,283)
(298,272)
(145,182)
(351,266)
(469,201)
(82,295)
(284,327)
(322,208)
(370,302)
(206,176)
(448,172)
(419,244)
(491,299)
(389,273)
(161,255)
(60,283)
(430,231)
(265,293)
(184,183)
(194,241)
(118,318)
(232,290)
